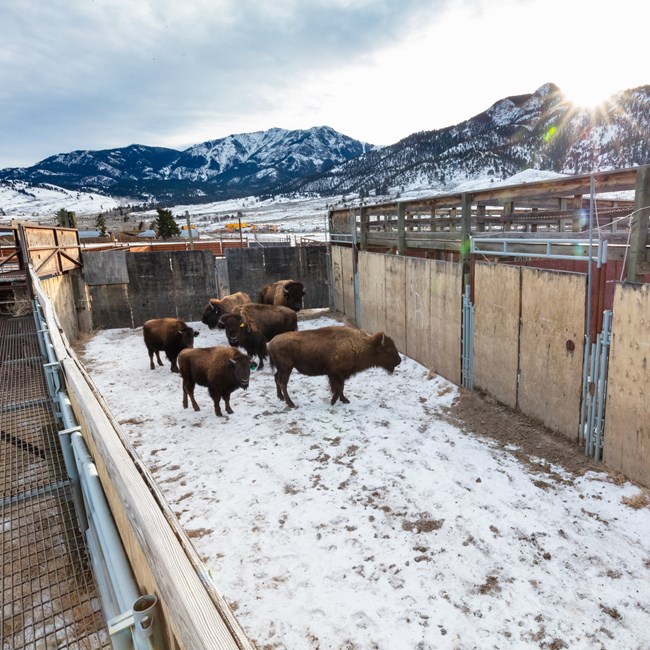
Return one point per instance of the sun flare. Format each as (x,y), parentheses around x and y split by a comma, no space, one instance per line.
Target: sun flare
(587,96)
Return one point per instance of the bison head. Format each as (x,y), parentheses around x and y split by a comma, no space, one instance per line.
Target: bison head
(241,366)
(232,323)
(387,355)
(186,336)
(211,313)
(294,293)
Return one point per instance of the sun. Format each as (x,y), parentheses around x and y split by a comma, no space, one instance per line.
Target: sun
(586,95)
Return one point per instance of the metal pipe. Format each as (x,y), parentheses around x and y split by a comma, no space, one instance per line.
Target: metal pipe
(602,390)
(590,400)
(119,592)
(585,388)
(101,520)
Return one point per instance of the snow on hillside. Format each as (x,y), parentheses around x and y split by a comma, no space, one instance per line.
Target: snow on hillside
(23,201)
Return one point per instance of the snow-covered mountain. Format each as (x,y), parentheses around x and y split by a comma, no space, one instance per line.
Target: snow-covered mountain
(540,131)
(237,165)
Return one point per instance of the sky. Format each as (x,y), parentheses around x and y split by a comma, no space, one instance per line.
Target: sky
(380,523)
(98,74)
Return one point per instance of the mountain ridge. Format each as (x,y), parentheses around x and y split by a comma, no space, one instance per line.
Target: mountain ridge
(539,130)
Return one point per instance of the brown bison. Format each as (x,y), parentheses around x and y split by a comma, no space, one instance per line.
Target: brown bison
(170,335)
(216,307)
(252,326)
(222,369)
(283,292)
(336,351)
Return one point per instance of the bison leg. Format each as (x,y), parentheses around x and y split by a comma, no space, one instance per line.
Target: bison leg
(226,401)
(151,352)
(188,390)
(336,385)
(281,381)
(216,397)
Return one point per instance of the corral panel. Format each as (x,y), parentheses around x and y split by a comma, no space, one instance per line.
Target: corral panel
(372,278)
(496,330)
(552,343)
(627,419)
(418,313)
(396,299)
(445,318)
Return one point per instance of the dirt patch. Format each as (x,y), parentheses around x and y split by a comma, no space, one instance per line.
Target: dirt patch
(525,438)
(423,525)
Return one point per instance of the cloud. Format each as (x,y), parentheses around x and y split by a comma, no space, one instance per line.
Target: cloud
(102,73)
(94,74)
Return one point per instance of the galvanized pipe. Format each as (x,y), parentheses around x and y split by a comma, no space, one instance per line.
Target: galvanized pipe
(119,592)
(585,392)
(602,388)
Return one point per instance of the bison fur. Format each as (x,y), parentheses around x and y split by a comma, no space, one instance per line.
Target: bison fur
(217,307)
(170,335)
(221,369)
(336,351)
(287,293)
(252,326)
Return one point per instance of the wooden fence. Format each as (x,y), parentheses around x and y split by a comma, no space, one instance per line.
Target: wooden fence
(529,335)
(417,302)
(627,415)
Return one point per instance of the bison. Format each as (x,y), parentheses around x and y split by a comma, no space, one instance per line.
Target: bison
(216,308)
(283,292)
(336,351)
(170,335)
(251,326)
(221,368)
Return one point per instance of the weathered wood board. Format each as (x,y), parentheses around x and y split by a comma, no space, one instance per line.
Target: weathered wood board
(627,415)
(552,344)
(418,310)
(337,279)
(496,330)
(347,274)
(446,303)
(372,287)
(396,299)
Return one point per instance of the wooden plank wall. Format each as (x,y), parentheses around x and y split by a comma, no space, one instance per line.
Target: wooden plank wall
(60,291)
(627,416)
(419,343)
(446,312)
(343,280)
(395,285)
(372,286)
(338,299)
(417,302)
(552,322)
(496,330)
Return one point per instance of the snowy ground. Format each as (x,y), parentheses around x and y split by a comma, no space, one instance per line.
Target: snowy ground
(379,524)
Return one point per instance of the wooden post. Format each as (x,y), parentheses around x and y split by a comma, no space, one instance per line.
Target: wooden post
(577,212)
(480,215)
(638,262)
(401,233)
(465,230)
(508,209)
(363,235)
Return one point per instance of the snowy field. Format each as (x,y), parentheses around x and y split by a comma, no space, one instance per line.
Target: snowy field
(379,524)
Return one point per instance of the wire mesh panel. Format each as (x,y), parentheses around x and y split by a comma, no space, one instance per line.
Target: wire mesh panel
(49,597)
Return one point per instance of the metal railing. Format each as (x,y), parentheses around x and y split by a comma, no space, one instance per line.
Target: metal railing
(133,620)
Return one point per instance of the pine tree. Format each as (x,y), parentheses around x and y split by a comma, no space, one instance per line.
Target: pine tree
(166,227)
(100,224)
